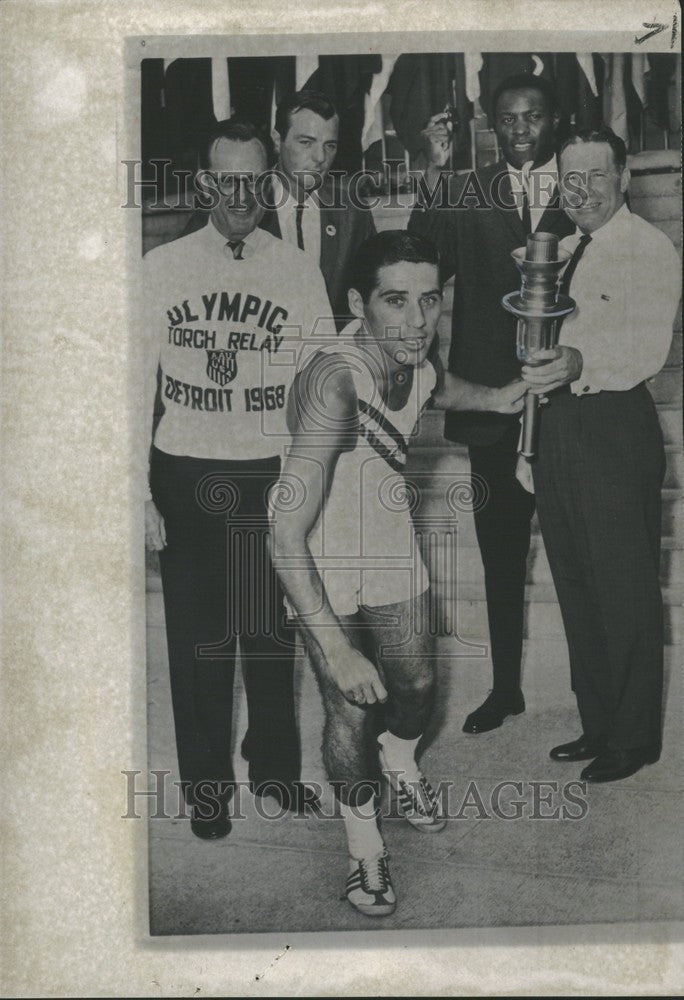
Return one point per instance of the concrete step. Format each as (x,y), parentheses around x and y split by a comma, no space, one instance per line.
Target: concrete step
(664,207)
(466,609)
(468,561)
(670,417)
(465,664)
(433,507)
(666,386)
(431,515)
(652,188)
(431,430)
(469,571)
(545,672)
(675,355)
(443,460)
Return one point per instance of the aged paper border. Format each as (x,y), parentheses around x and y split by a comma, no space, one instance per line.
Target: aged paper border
(75,918)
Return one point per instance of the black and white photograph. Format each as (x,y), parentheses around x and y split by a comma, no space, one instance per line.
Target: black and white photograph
(412,385)
(342,549)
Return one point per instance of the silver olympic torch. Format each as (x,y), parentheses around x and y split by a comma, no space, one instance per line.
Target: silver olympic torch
(538,307)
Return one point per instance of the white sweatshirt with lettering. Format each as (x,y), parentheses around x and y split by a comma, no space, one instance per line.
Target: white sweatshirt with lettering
(225,336)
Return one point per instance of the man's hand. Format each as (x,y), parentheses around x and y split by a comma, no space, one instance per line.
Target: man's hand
(155,532)
(509,398)
(523,473)
(551,369)
(437,136)
(356,677)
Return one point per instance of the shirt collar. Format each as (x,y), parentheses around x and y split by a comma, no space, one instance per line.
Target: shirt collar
(278,190)
(284,199)
(607,231)
(549,169)
(218,240)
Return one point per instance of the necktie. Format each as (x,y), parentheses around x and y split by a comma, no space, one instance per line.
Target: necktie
(298,220)
(573,262)
(236,248)
(526,216)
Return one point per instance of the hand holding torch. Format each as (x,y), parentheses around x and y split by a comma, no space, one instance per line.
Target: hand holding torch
(539,307)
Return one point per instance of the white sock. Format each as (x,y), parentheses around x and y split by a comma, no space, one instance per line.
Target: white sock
(363,835)
(400,755)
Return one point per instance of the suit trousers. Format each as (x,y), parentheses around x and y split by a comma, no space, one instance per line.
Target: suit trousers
(219,584)
(502,525)
(598,478)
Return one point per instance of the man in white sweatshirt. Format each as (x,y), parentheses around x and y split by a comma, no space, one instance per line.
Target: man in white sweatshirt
(220,305)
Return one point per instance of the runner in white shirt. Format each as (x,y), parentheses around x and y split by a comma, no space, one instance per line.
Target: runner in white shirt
(344,544)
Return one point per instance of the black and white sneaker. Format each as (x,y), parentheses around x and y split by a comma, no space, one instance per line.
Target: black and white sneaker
(415,796)
(369,887)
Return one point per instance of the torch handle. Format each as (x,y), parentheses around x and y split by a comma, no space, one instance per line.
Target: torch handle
(529,426)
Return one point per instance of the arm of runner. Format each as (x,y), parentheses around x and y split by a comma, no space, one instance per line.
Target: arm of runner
(455,393)
(321,432)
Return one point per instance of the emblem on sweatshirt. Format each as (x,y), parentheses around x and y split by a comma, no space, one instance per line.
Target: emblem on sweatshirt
(221,366)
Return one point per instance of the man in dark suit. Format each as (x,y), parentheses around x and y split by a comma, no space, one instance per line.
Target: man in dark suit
(489,214)
(303,204)
(313,210)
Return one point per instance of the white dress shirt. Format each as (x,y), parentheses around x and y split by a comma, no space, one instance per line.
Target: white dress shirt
(541,184)
(626,286)
(311,220)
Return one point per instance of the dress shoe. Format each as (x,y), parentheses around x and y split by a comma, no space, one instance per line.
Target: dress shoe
(581,749)
(210,829)
(493,711)
(612,765)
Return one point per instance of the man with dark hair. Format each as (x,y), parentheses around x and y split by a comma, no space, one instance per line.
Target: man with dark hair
(475,237)
(216,303)
(523,81)
(601,459)
(304,100)
(314,211)
(345,547)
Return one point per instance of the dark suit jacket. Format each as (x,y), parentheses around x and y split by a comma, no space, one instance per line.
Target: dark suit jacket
(343,230)
(475,245)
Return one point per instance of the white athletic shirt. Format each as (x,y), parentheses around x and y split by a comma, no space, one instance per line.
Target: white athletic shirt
(364,543)
(226,334)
